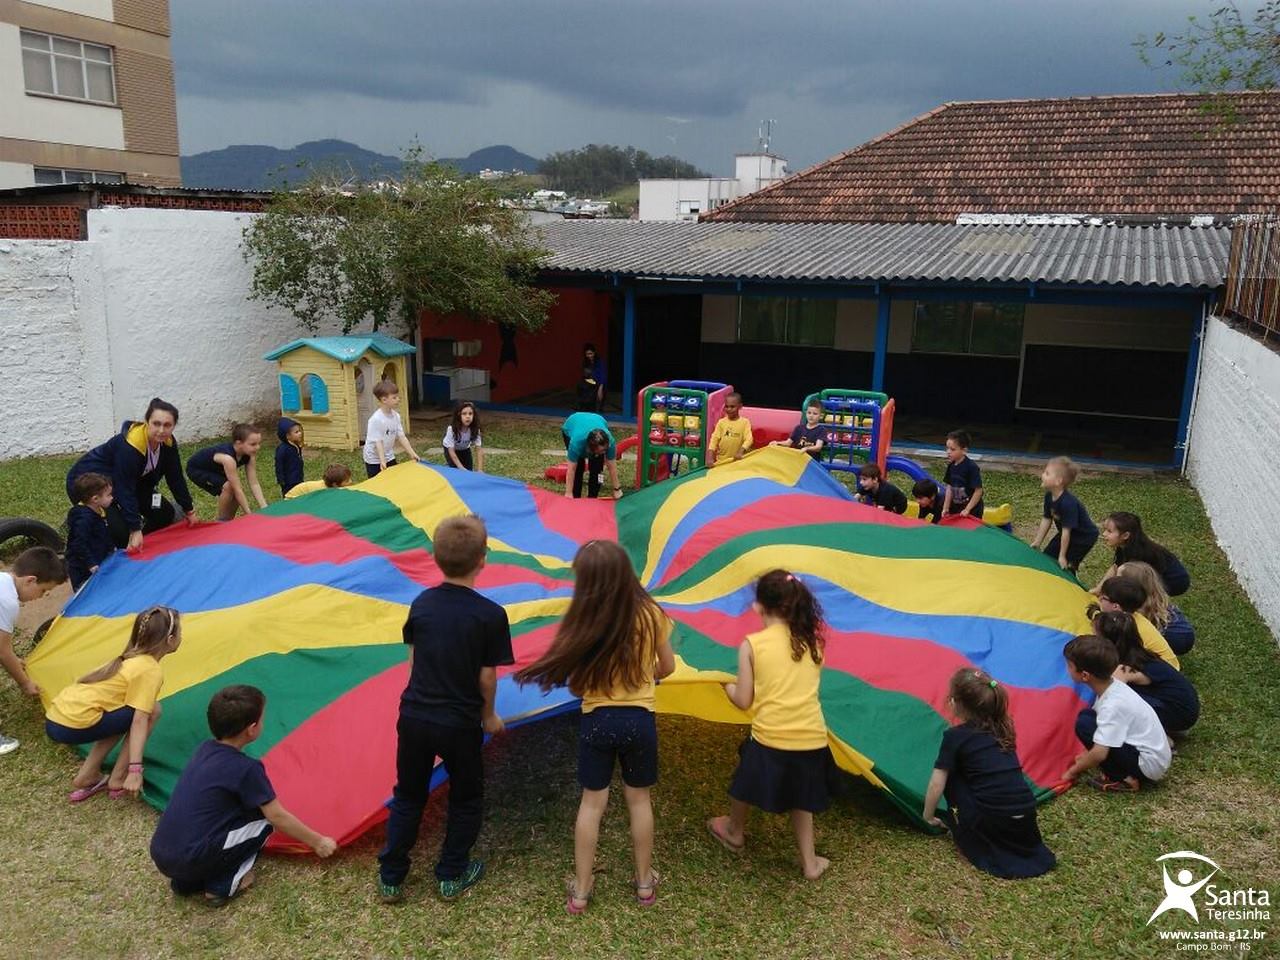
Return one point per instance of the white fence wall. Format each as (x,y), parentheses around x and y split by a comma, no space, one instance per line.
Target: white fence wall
(1234,452)
(153,304)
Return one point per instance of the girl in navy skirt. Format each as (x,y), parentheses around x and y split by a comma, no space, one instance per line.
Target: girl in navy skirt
(1170,694)
(612,646)
(1123,533)
(991,811)
(461,442)
(784,765)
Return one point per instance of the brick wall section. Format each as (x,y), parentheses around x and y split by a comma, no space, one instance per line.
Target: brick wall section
(43,222)
(144,87)
(1235,453)
(149,15)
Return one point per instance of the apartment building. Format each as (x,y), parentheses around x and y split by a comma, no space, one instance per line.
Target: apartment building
(86,93)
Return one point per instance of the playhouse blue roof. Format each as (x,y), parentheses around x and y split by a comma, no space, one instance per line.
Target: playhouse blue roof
(347,349)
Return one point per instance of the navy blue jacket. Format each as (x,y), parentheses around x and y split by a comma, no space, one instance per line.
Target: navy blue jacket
(123,458)
(88,542)
(288,458)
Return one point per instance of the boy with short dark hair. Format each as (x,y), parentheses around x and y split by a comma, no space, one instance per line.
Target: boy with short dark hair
(731,439)
(928,500)
(457,639)
(289,470)
(876,491)
(963,478)
(1121,733)
(335,475)
(88,536)
(809,436)
(35,572)
(223,807)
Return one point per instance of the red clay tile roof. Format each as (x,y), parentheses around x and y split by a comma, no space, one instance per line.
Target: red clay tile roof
(1127,155)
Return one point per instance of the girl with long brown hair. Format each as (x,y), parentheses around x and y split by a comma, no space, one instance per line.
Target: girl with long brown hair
(612,646)
(783,766)
(991,811)
(118,699)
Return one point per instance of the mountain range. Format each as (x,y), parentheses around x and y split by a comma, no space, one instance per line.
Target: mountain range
(260,167)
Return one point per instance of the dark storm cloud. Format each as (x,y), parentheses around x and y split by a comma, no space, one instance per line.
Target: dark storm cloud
(701,60)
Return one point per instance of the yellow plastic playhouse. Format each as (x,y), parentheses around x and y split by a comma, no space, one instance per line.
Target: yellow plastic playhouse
(326,384)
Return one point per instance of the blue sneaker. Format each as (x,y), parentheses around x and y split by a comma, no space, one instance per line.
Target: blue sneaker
(452,889)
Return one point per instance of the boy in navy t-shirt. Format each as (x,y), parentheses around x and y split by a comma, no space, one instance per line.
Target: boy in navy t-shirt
(879,492)
(963,479)
(223,806)
(809,436)
(1076,533)
(457,639)
(928,499)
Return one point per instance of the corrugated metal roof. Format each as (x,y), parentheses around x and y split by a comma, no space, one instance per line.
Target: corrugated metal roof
(1073,253)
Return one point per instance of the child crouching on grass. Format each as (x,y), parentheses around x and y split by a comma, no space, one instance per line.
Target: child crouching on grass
(223,807)
(36,571)
(784,764)
(1076,533)
(612,646)
(991,810)
(88,536)
(120,699)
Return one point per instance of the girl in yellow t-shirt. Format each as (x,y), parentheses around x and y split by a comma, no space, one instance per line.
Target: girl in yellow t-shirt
(784,764)
(612,646)
(118,699)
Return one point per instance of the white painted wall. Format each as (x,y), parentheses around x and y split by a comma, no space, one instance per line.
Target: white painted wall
(1234,451)
(153,304)
(102,9)
(684,199)
(46,119)
(16,175)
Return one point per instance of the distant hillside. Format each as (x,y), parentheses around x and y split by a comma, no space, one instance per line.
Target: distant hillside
(257,167)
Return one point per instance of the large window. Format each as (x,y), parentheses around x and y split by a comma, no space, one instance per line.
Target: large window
(983,329)
(49,176)
(61,67)
(801,323)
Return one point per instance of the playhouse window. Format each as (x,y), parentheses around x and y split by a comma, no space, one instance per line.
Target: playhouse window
(315,394)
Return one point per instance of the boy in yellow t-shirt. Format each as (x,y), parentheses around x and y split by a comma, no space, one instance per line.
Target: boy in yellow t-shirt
(731,438)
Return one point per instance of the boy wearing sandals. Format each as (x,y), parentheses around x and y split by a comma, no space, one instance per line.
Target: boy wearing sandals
(223,807)
(1121,733)
(457,639)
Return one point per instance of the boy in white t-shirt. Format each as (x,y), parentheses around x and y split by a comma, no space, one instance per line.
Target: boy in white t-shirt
(1122,733)
(35,572)
(385,431)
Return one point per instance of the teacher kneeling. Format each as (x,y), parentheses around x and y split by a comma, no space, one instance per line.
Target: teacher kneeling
(136,459)
(591,448)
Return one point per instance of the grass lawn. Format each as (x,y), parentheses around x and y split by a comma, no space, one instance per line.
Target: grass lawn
(77,881)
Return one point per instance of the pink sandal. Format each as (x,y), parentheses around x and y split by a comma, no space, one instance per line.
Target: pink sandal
(575,904)
(81,794)
(649,899)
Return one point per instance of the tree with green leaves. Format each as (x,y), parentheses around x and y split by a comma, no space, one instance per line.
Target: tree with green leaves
(1223,52)
(371,252)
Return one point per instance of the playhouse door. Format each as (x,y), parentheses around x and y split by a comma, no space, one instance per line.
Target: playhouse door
(366,403)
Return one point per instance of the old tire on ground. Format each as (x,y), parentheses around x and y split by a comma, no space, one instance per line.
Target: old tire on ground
(13,528)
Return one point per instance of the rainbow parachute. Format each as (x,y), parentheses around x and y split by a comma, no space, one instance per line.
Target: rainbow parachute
(307,598)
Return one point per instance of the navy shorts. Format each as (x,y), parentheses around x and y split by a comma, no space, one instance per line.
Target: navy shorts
(373,469)
(628,733)
(210,481)
(111,724)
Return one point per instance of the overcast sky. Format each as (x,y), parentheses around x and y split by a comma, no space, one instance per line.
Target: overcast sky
(688,77)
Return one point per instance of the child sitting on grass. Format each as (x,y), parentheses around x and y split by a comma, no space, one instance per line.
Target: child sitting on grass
(335,475)
(610,649)
(808,436)
(876,491)
(88,536)
(784,764)
(1126,594)
(1123,533)
(731,439)
(928,499)
(223,807)
(215,470)
(35,572)
(1159,609)
(1171,695)
(1076,533)
(1120,732)
(119,699)
(991,810)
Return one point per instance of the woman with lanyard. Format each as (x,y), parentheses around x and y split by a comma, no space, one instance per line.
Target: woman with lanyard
(136,459)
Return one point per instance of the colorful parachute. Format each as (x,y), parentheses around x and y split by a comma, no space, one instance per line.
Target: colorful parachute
(307,598)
